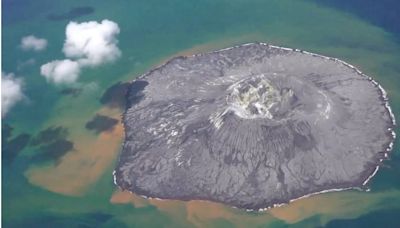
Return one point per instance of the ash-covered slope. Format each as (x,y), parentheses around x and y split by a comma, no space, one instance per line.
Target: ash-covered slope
(252,126)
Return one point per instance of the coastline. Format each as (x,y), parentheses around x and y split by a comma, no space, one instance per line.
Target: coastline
(359,185)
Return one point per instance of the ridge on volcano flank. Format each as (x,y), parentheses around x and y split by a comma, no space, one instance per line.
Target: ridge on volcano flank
(252,126)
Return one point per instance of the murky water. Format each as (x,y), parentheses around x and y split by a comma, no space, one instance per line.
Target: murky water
(75,187)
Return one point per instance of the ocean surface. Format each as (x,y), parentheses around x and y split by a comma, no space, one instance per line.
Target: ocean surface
(57,170)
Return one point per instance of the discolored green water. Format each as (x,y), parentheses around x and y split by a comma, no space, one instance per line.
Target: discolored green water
(151,32)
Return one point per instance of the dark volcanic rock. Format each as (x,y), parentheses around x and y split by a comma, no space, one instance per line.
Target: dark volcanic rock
(252,126)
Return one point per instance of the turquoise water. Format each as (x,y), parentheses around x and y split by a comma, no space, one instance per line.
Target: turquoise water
(76,189)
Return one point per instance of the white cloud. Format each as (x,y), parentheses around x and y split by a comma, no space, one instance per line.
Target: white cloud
(33,43)
(61,71)
(92,43)
(11,92)
(87,44)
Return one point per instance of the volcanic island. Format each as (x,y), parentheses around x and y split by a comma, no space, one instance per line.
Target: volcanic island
(252,126)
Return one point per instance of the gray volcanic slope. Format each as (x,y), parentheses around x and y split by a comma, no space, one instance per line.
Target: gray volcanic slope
(252,126)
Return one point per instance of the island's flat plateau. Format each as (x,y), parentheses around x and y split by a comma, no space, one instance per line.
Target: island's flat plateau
(252,126)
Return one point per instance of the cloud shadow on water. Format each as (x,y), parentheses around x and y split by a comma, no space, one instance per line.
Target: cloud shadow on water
(49,135)
(53,151)
(115,95)
(12,147)
(101,123)
(52,144)
(73,13)
(123,94)
(74,92)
